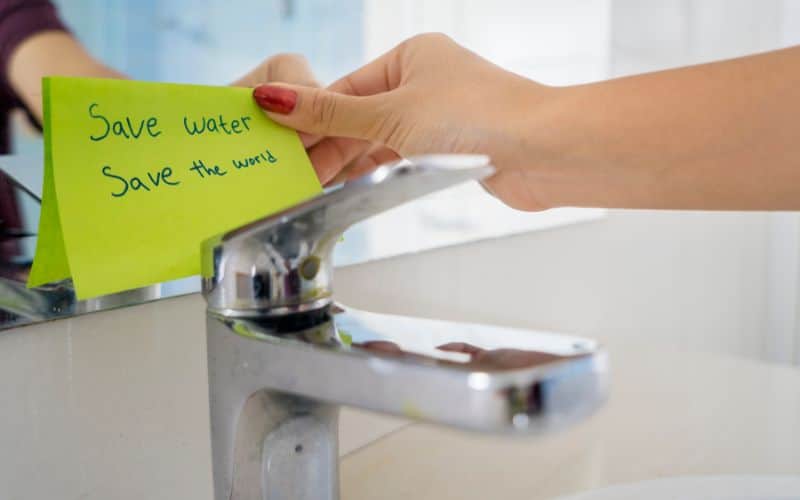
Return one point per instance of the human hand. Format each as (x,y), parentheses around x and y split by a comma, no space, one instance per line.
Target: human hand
(427,95)
(288,68)
(285,67)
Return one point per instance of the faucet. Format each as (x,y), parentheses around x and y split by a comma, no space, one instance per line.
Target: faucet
(283,355)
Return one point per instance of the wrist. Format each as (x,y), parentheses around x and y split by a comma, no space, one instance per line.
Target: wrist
(538,122)
(580,152)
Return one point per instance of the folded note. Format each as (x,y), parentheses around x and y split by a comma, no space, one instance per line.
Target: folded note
(138,174)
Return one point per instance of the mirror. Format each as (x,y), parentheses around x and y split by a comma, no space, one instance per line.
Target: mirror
(216,41)
(20,194)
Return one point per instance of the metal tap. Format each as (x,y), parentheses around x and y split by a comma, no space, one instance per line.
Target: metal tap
(282,355)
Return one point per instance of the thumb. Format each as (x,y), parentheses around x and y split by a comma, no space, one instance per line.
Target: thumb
(319,111)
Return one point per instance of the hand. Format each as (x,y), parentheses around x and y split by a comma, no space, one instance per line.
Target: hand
(290,68)
(50,53)
(427,95)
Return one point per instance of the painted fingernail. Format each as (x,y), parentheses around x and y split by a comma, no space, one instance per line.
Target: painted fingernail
(276,99)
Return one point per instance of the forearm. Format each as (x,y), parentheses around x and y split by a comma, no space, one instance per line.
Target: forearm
(50,53)
(716,136)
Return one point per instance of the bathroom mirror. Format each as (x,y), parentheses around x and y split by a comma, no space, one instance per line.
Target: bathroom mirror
(214,42)
(426,226)
(20,195)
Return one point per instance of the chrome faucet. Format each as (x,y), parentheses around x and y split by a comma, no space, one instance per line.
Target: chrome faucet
(282,355)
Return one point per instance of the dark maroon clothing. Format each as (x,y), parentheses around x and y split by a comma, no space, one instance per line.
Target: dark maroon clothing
(19,19)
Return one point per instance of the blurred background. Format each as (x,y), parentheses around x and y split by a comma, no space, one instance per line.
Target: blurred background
(726,282)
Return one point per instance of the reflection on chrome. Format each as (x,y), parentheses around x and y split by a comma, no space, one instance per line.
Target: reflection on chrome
(276,385)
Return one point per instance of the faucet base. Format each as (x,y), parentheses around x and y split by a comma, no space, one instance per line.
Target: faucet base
(298,446)
(266,444)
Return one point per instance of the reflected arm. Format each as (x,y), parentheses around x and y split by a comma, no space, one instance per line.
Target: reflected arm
(50,53)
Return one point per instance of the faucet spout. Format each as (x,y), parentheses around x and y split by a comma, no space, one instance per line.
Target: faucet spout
(274,392)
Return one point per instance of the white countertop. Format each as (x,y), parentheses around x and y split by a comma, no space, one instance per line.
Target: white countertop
(671,413)
(114,405)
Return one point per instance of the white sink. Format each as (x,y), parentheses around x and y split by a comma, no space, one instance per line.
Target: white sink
(701,488)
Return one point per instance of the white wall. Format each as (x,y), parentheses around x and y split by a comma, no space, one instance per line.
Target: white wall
(722,282)
(652,36)
(563,42)
(692,279)
(559,42)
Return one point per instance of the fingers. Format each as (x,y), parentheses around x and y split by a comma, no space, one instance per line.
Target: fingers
(371,79)
(513,188)
(337,125)
(366,81)
(322,112)
(354,106)
(373,159)
(292,68)
(376,156)
(337,159)
(380,75)
(332,153)
(308,140)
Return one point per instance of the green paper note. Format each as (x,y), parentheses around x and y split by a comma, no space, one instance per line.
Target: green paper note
(140,173)
(50,243)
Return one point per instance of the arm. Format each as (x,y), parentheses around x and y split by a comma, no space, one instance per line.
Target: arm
(34,43)
(714,136)
(50,53)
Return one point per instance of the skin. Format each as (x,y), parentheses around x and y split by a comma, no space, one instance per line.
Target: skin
(50,53)
(713,136)
(277,68)
(58,53)
(285,67)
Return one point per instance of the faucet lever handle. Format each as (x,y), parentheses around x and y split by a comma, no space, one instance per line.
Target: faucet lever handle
(281,265)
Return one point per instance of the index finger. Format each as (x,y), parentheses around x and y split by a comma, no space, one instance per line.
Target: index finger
(285,67)
(379,75)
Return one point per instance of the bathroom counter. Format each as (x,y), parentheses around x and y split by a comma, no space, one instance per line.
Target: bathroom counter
(115,405)
(670,413)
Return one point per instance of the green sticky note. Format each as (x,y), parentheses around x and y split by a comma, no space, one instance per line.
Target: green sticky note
(140,173)
(50,242)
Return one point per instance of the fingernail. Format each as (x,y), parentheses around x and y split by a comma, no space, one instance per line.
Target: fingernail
(276,99)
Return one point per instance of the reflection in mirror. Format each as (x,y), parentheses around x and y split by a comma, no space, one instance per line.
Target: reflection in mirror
(207,42)
(20,190)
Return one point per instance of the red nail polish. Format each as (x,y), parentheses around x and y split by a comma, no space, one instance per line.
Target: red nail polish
(276,99)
